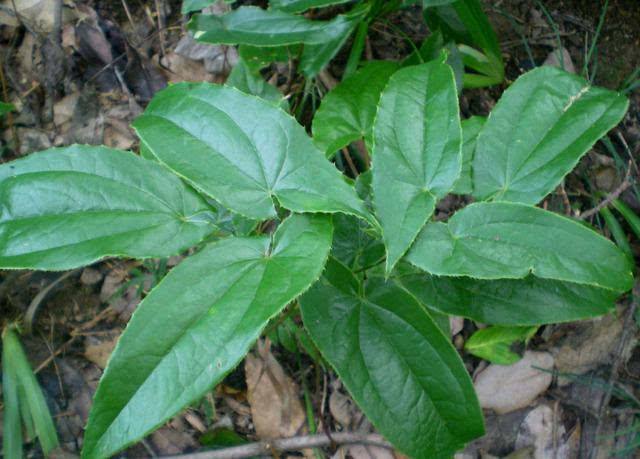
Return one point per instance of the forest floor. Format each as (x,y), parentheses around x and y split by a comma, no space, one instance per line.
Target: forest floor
(108,60)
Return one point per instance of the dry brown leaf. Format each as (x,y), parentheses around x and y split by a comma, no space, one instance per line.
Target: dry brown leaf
(538,430)
(508,388)
(274,398)
(591,344)
(98,351)
(167,441)
(560,57)
(456,324)
(178,68)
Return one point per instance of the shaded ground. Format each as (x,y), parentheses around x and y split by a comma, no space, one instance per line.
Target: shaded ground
(109,64)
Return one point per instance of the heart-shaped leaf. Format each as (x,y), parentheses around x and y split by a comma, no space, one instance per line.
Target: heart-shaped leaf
(538,131)
(197,325)
(243,152)
(69,207)
(417,151)
(347,112)
(509,240)
(394,360)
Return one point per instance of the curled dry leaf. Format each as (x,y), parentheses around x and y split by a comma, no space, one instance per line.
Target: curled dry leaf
(274,398)
(508,388)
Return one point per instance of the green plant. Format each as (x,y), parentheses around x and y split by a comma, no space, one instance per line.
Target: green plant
(495,343)
(24,403)
(281,33)
(373,272)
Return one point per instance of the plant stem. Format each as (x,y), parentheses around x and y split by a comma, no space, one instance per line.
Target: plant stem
(267,447)
(356,49)
(592,48)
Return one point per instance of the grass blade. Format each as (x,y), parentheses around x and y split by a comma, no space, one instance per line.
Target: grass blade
(30,393)
(12,435)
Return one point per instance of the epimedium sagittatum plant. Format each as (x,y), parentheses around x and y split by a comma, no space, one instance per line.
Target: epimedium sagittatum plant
(373,272)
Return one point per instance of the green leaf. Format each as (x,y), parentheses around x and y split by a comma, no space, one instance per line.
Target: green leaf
(471,127)
(509,240)
(417,151)
(432,48)
(316,57)
(430,3)
(347,112)
(629,215)
(6,108)
(251,82)
(249,25)
(257,57)
(466,22)
(12,431)
(538,131)
(482,34)
(298,6)
(197,325)
(242,151)
(528,301)
(355,243)
(27,386)
(494,343)
(396,363)
(69,207)
(195,5)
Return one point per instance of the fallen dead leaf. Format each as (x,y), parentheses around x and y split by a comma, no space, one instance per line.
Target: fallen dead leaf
(538,430)
(591,344)
(98,351)
(168,441)
(508,388)
(273,396)
(456,323)
(560,57)
(90,276)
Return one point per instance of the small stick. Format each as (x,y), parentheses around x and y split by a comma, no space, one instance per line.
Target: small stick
(352,166)
(161,24)
(267,447)
(615,194)
(565,200)
(93,322)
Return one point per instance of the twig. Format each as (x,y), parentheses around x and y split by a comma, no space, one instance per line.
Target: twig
(161,25)
(627,327)
(267,447)
(615,194)
(565,200)
(74,335)
(352,166)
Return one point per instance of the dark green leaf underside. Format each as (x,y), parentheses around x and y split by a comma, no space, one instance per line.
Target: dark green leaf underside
(250,25)
(528,301)
(509,240)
